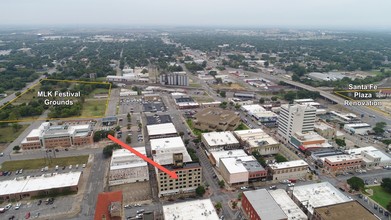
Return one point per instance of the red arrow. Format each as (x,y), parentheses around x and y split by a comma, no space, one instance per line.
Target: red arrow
(142,156)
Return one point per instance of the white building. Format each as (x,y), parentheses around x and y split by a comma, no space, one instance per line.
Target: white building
(161,130)
(126,167)
(287,205)
(217,155)
(233,171)
(371,156)
(224,140)
(295,118)
(357,128)
(259,113)
(175,78)
(257,140)
(295,169)
(309,140)
(196,209)
(164,148)
(344,117)
(317,195)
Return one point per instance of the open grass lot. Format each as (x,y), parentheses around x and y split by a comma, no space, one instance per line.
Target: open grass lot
(203,99)
(381,196)
(39,163)
(94,107)
(194,85)
(99,91)
(195,131)
(29,95)
(242,126)
(7,134)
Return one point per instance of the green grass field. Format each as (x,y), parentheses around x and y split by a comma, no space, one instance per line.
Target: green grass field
(40,163)
(7,134)
(380,196)
(95,107)
(195,131)
(242,126)
(98,91)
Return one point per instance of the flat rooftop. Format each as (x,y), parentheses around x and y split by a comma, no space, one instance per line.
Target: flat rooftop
(374,152)
(288,164)
(253,108)
(161,129)
(220,138)
(322,126)
(265,205)
(191,210)
(164,148)
(318,195)
(226,154)
(158,119)
(123,159)
(340,158)
(44,182)
(339,211)
(359,125)
(287,205)
(255,137)
(309,136)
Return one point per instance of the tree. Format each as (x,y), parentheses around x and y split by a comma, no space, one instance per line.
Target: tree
(222,184)
(128,139)
(279,158)
(274,98)
(218,206)
(261,100)
(200,190)
(108,150)
(181,133)
(389,206)
(117,128)
(16,127)
(356,183)
(379,128)
(386,184)
(340,142)
(222,94)
(234,204)
(16,148)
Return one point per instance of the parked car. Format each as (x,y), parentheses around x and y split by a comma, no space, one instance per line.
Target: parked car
(273,187)
(140,211)
(243,188)
(17,206)
(7,207)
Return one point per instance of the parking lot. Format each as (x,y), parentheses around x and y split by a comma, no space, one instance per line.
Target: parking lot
(133,193)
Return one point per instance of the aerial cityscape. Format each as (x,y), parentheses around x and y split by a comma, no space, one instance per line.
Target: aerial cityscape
(183,121)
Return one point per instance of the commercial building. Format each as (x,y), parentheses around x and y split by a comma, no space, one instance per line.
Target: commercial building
(309,141)
(325,130)
(244,95)
(151,97)
(259,113)
(351,210)
(127,92)
(371,156)
(216,119)
(128,77)
(185,102)
(357,128)
(295,169)
(287,205)
(210,104)
(48,136)
(312,196)
(260,205)
(175,78)
(344,117)
(109,121)
(26,187)
(126,167)
(164,148)
(240,170)
(161,131)
(196,209)
(257,140)
(189,177)
(109,206)
(214,141)
(215,156)
(295,118)
(341,163)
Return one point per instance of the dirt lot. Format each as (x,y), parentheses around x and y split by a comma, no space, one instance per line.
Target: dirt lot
(134,192)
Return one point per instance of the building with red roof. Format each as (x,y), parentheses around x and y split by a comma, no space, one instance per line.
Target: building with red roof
(109,206)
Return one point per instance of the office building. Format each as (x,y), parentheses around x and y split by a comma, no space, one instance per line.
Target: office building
(175,78)
(126,167)
(295,118)
(215,141)
(240,170)
(195,209)
(216,119)
(164,148)
(325,130)
(371,157)
(295,169)
(257,140)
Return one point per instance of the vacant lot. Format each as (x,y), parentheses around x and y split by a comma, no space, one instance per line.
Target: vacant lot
(94,107)
(381,196)
(8,134)
(39,163)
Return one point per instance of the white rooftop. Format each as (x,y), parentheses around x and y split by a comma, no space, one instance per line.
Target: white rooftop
(235,165)
(228,153)
(123,159)
(302,100)
(190,210)
(220,138)
(374,152)
(161,129)
(288,164)
(318,194)
(287,205)
(339,158)
(164,148)
(322,126)
(253,108)
(358,125)
(264,205)
(255,137)
(32,184)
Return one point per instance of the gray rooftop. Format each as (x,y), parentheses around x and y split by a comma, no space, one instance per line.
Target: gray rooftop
(253,166)
(265,205)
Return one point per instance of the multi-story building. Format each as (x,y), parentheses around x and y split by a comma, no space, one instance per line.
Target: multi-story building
(259,113)
(175,78)
(214,141)
(295,118)
(339,211)
(308,141)
(216,119)
(126,167)
(48,136)
(257,140)
(164,148)
(340,163)
(215,156)
(260,205)
(325,130)
(295,169)
(240,170)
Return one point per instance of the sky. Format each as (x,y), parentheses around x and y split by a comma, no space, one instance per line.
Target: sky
(258,13)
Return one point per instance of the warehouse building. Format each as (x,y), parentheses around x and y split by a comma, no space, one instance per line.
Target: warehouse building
(257,140)
(216,141)
(216,119)
(196,209)
(126,167)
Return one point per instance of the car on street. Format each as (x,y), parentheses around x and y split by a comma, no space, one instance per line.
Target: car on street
(17,206)
(291,184)
(7,207)
(140,211)
(273,187)
(243,188)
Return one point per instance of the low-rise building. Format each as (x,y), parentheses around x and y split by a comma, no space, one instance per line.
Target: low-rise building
(48,136)
(216,119)
(312,196)
(357,128)
(260,205)
(196,209)
(344,117)
(210,104)
(295,169)
(371,156)
(309,141)
(215,156)
(340,211)
(240,170)
(161,131)
(26,187)
(340,163)
(257,140)
(259,113)
(126,167)
(185,102)
(109,206)
(325,130)
(287,205)
(214,141)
